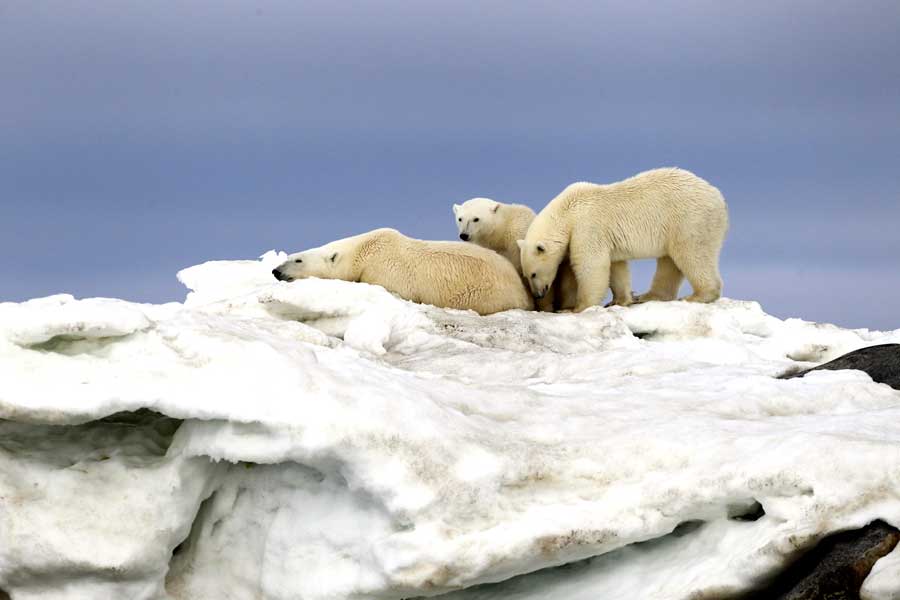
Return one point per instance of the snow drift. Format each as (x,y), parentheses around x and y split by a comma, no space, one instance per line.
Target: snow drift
(324,440)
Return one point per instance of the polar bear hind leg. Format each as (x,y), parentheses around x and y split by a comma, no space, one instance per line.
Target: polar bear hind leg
(666,281)
(701,268)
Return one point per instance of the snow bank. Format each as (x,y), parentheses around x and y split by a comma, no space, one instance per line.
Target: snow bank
(883,583)
(323,439)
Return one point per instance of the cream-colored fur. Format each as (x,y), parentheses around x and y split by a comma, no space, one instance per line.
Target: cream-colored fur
(445,274)
(668,214)
(498,227)
(494,225)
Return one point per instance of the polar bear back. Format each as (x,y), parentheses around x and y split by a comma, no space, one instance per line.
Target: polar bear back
(444,274)
(643,216)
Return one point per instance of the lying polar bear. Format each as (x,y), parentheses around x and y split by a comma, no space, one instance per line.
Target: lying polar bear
(445,274)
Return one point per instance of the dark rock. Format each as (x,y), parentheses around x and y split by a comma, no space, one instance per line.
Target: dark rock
(835,569)
(882,363)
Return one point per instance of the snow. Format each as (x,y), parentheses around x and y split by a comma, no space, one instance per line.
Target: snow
(883,583)
(325,439)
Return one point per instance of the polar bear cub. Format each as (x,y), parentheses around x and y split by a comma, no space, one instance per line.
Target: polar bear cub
(494,225)
(498,227)
(668,214)
(444,274)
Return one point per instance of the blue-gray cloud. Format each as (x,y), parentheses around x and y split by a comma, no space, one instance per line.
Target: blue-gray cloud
(136,139)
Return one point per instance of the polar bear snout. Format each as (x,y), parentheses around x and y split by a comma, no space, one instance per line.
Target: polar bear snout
(279,275)
(464,237)
(539,294)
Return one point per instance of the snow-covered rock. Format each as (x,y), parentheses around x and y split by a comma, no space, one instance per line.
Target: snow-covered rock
(324,440)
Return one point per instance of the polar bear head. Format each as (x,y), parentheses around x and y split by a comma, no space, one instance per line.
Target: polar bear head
(476,219)
(326,262)
(540,261)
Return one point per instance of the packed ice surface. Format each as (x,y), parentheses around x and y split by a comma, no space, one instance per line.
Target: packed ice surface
(324,440)
(883,583)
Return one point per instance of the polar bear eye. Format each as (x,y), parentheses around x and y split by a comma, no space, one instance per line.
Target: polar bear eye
(299,260)
(459,219)
(533,275)
(475,219)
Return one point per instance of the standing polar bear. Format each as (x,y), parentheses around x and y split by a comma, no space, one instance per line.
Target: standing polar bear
(498,227)
(445,274)
(668,214)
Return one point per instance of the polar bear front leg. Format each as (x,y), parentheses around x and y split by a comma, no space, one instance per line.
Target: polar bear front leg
(592,275)
(620,282)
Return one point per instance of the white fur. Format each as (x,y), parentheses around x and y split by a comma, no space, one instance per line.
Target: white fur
(498,226)
(668,214)
(494,225)
(445,274)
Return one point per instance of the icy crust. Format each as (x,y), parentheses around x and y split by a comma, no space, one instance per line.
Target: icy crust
(883,583)
(60,317)
(94,510)
(339,442)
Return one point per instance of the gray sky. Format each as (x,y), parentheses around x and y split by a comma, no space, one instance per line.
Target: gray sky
(137,139)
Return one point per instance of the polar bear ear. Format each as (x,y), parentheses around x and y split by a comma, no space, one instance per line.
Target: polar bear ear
(521,244)
(541,247)
(456,208)
(496,207)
